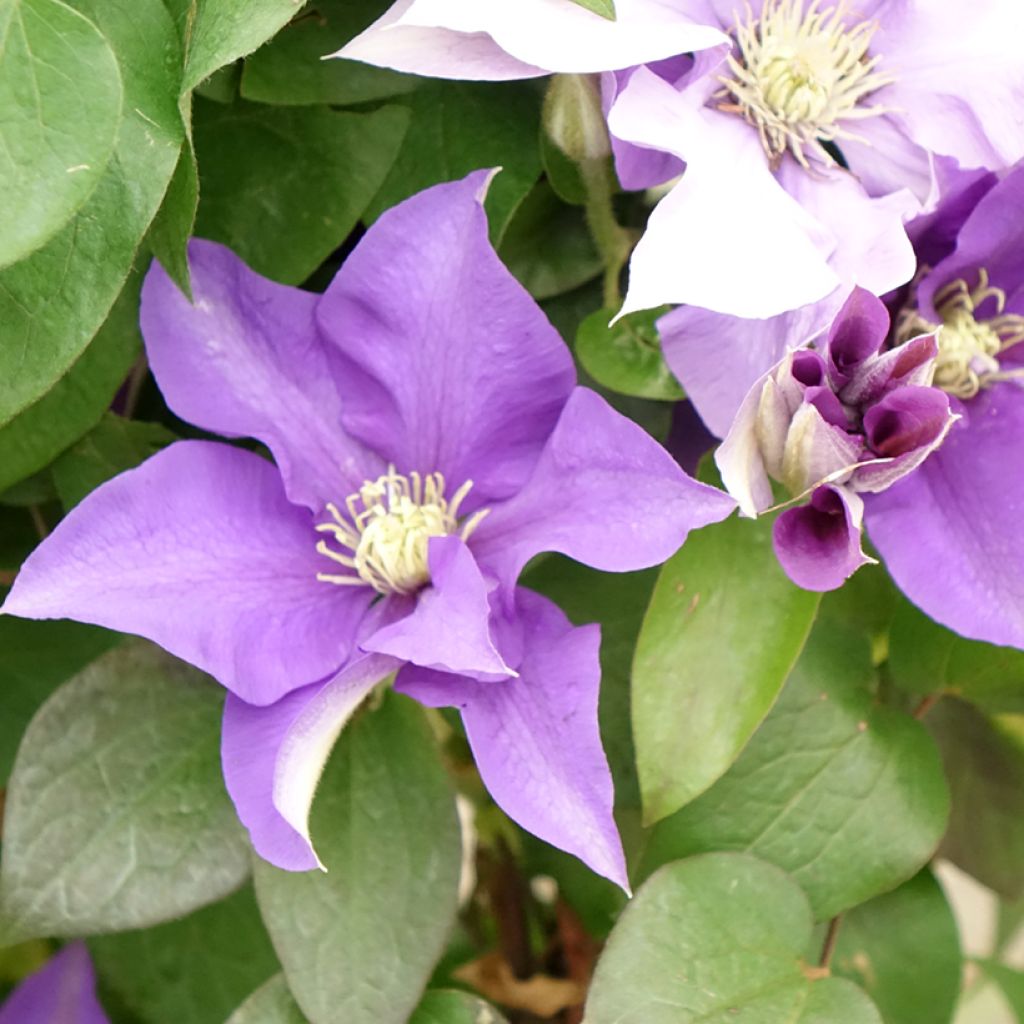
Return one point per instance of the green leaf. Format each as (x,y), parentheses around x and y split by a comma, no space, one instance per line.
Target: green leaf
(308,175)
(1010,982)
(723,629)
(77,400)
(715,939)
(56,137)
(450,1007)
(271,1003)
(547,245)
(458,127)
(18,537)
(606,8)
(904,950)
(846,795)
(926,658)
(115,445)
(290,69)
(174,222)
(116,815)
(195,970)
(35,658)
(627,356)
(359,941)
(53,302)
(984,759)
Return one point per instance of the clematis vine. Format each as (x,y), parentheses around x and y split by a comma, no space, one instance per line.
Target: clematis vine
(429,440)
(805,139)
(63,991)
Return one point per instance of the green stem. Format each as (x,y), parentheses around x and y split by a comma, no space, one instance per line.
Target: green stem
(613,241)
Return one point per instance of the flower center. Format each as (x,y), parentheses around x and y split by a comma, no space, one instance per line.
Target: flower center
(800,74)
(383,539)
(969,346)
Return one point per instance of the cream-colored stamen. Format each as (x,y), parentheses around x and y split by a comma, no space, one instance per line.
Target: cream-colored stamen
(800,75)
(385,535)
(969,346)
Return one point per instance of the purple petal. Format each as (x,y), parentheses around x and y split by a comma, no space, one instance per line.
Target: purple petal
(63,991)
(273,758)
(906,420)
(858,333)
(818,544)
(950,531)
(536,739)
(199,550)
(911,363)
(449,627)
(247,360)
(444,362)
(603,492)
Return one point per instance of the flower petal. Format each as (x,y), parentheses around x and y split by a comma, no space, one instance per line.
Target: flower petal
(246,360)
(452,37)
(273,758)
(449,627)
(950,531)
(536,739)
(199,550)
(603,492)
(63,991)
(444,362)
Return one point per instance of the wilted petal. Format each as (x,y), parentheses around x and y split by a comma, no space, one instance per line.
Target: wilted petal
(818,544)
(816,451)
(858,333)
(909,364)
(535,738)
(755,440)
(603,492)
(449,627)
(950,532)
(273,758)
(246,360)
(444,362)
(199,550)
(63,991)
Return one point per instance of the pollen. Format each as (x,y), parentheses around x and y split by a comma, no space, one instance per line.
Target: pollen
(970,345)
(382,536)
(800,76)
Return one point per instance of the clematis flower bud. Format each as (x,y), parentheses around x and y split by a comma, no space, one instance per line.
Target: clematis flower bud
(573,118)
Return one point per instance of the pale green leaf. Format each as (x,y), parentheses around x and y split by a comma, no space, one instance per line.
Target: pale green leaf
(271,1003)
(449,1007)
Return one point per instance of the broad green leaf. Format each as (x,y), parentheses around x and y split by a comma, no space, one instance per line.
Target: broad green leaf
(627,356)
(192,971)
(358,942)
(35,658)
(458,127)
(113,446)
(54,301)
(308,175)
(117,815)
(984,759)
(716,939)
(606,8)
(449,1007)
(174,222)
(1010,982)
(290,69)
(56,137)
(547,245)
(926,658)
(76,402)
(904,950)
(846,795)
(271,1003)
(723,629)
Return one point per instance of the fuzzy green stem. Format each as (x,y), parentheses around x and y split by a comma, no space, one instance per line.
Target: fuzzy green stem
(614,243)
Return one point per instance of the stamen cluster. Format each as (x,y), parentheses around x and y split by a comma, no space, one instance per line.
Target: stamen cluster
(799,75)
(388,528)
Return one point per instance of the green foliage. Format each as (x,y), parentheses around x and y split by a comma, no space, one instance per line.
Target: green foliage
(722,631)
(606,8)
(441,1007)
(713,939)
(271,1003)
(116,812)
(847,796)
(358,942)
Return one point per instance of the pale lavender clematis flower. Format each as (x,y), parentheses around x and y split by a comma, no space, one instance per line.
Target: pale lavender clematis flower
(63,991)
(950,532)
(835,424)
(429,440)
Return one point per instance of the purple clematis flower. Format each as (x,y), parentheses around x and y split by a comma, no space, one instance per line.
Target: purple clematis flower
(429,440)
(834,424)
(63,991)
